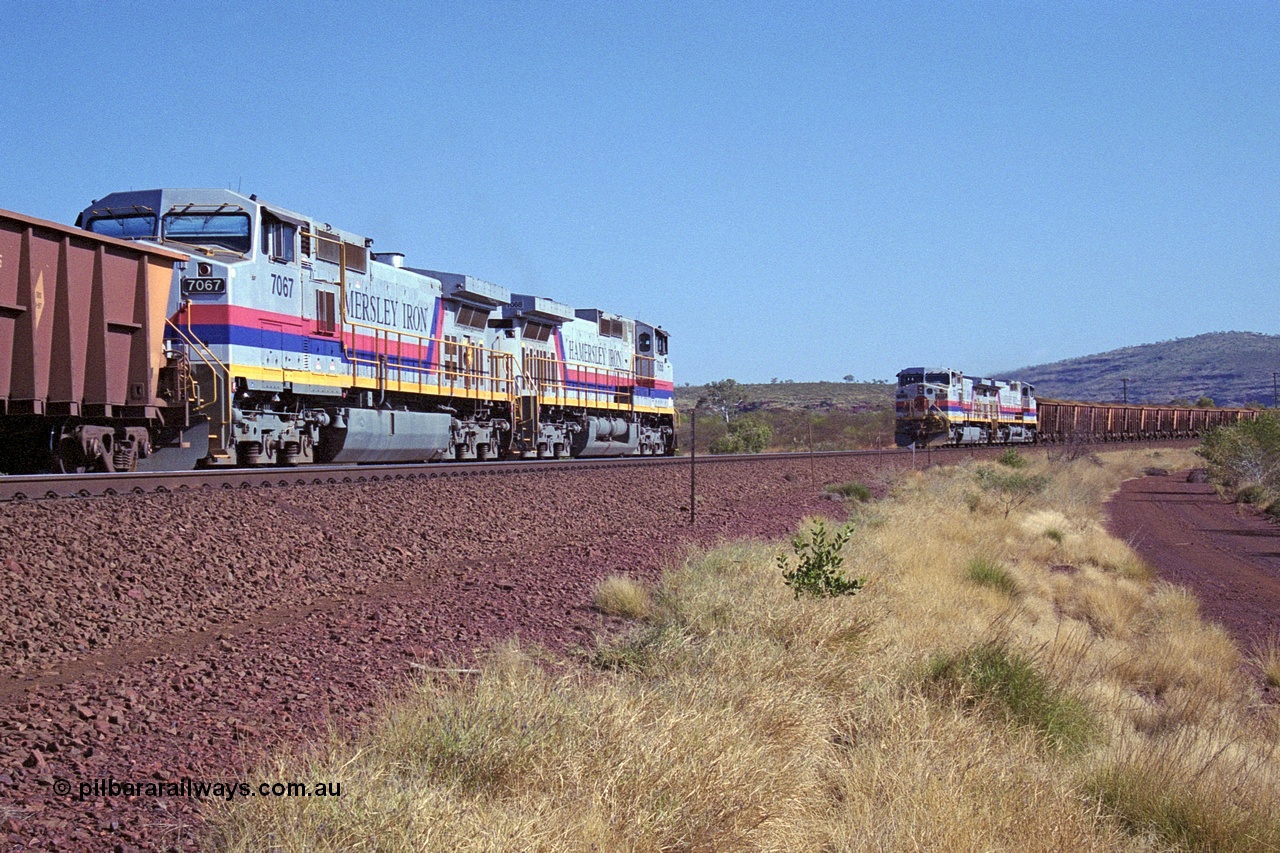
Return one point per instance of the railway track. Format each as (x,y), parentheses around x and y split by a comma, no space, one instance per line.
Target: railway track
(15,488)
(57,486)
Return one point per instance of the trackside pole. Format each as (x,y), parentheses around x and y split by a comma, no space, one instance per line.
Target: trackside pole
(693,458)
(813,476)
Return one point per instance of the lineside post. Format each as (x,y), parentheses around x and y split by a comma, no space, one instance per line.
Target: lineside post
(693,462)
(813,477)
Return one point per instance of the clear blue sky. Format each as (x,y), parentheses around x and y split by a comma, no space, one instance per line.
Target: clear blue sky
(799,191)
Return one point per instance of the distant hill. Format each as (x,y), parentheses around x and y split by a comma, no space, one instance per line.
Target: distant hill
(821,396)
(1233,368)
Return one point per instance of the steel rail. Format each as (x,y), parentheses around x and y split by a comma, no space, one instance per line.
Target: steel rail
(20,487)
(24,487)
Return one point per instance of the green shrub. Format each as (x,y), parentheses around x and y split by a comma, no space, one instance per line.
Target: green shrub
(818,572)
(745,435)
(1244,454)
(1011,488)
(996,677)
(1253,494)
(1011,458)
(857,491)
(1054,534)
(989,573)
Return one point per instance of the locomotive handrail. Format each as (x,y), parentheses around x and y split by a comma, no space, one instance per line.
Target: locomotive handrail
(477,368)
(475,381)
(557,388)
(205,354)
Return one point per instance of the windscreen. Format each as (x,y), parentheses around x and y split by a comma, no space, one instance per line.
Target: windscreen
(905,379)
(223,230)
(130,227)
(938,378)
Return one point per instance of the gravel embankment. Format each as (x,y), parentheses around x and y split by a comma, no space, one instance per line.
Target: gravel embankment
(164,637)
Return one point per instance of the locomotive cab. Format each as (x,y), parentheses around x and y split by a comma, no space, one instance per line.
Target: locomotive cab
(925,399)
(945,407)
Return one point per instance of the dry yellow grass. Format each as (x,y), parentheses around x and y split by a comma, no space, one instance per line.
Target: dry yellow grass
(1089,709)
(619,596)
(1267,659)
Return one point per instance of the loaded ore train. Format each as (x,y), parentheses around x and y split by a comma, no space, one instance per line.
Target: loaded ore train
(939,406)
(180,328)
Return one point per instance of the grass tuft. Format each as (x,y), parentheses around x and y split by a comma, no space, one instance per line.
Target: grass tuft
(995,676)
(989,573)
(619,596)
(1267,658)
(856,491)
(1157,795)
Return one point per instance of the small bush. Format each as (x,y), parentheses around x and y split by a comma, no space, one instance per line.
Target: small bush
(1054,534)
(818,573)
(989,573)
(745,435)
(618,596)
(1011,488)
(857,491)
(1254,495)
(1009,681)
(1011,458)
(1244,454)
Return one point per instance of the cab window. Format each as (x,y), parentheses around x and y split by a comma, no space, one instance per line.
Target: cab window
(278,239)
(126,227)
(229,231)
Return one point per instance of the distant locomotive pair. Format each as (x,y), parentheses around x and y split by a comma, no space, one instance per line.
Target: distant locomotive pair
(936,406)
(186,328)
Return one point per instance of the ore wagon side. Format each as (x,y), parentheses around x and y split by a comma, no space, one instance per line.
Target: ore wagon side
(85,381)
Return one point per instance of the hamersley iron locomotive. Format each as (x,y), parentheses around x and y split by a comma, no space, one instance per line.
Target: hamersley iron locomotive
(942,406)
(180,328)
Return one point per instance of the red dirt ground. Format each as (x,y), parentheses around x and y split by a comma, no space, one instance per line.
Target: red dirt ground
(163,637)
(1227,554)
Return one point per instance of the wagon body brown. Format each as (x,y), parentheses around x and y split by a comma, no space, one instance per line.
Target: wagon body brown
(82,321)
(1069,421)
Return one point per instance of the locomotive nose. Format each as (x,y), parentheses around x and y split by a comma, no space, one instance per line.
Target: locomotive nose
(922,403)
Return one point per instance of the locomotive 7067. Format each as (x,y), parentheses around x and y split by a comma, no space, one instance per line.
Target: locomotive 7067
(181,327)
(941,406)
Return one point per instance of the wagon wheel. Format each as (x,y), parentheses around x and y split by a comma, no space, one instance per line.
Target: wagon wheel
(68,454)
